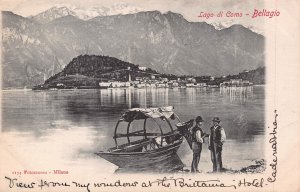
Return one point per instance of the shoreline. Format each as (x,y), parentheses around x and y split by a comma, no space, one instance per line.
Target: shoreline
(258,166)
(27,89)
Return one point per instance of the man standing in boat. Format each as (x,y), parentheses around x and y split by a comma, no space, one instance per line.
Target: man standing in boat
(216,140)
(197,139)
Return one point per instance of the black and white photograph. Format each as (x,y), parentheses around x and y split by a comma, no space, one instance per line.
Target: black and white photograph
(165,94)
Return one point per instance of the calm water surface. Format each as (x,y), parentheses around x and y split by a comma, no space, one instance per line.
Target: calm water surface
(62,129)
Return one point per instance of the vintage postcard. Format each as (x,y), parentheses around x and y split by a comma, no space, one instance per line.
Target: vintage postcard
(131,95)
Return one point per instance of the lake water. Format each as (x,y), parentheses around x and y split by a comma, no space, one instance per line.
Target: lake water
(62,129)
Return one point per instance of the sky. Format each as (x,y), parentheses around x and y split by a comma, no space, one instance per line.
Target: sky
(190,9)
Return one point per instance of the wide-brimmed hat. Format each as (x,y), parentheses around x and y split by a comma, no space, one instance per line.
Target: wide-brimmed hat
(216,119)
(199,119)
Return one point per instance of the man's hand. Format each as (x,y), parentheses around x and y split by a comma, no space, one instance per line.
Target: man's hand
(219,144)
(200,140)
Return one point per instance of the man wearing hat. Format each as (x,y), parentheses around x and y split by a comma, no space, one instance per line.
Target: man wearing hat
(216,140)
(197,139)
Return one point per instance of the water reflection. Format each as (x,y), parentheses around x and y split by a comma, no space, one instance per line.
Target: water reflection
(237,93)
(94,113)
(41,110)
(145,97)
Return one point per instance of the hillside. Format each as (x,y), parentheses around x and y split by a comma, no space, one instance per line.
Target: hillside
(165,42)
(89,70)
(256,76)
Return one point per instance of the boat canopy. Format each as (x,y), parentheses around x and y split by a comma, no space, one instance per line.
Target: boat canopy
(144,113)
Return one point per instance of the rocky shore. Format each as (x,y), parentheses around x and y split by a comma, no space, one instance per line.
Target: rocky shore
(258,166)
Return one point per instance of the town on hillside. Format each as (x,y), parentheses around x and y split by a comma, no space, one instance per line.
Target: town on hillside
(156,80)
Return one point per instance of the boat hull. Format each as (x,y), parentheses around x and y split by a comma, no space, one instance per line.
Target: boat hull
(141,159)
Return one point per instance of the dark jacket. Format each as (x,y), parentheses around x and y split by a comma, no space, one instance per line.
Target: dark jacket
(216,138)
(194,130)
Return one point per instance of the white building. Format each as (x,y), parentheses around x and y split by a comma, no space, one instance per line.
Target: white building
(143,68)
(104,84)
(116,84)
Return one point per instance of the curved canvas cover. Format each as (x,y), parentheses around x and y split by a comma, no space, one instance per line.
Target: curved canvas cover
(144,113)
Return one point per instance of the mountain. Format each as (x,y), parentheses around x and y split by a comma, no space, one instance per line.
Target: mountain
(53,13)
(59,11)
(228,23)
(256,76)
(33,51)
(89,70)
(222,25)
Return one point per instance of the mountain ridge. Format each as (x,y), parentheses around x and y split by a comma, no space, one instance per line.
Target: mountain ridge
(115,9)
(84,14)
(165,42)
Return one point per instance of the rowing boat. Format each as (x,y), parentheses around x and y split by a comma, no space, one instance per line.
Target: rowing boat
(152,148)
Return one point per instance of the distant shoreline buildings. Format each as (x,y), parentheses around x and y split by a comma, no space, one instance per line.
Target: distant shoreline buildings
(146,79)
(154,82)
(166,83)
(236,83)
(157,82)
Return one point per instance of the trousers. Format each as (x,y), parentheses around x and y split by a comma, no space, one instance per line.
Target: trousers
(216,158)
(197,148)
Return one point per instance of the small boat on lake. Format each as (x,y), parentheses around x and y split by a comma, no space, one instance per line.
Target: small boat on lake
(153,147)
